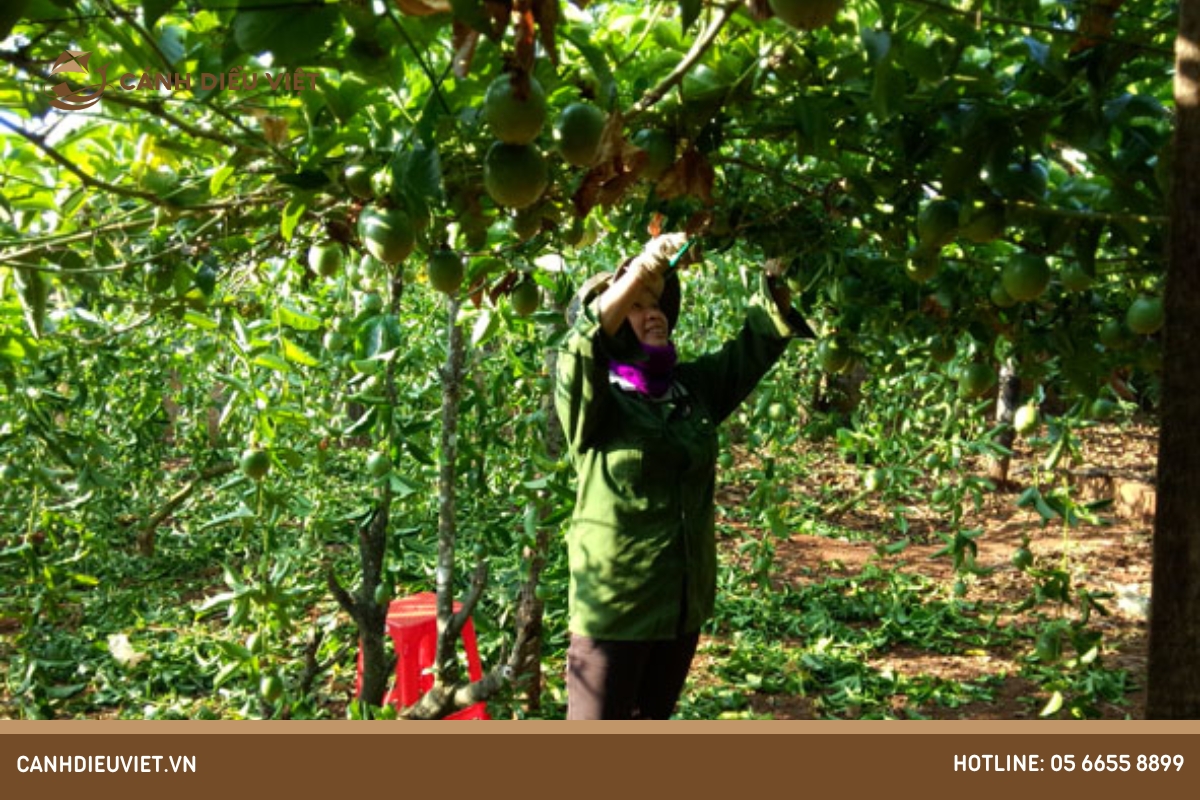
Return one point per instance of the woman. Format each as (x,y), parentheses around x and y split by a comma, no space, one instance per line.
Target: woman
(642,433)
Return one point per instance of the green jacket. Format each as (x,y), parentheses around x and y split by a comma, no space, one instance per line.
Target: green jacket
(641,541)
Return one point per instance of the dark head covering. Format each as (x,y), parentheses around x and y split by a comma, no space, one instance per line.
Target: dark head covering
(594,286)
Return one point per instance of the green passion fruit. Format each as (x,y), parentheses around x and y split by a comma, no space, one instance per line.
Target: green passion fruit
(325,258)
(445,271)
(514,175)
(660,151)
(378,465)
(982,224)
(514,109)
(577,132)
(975,380)
(1026,420)
(807,15)
(922,264)
(1145,315)
(387,234)
(255,463)
(358,181)
(1025,276)
(525,298)
(833,354)
(937,223)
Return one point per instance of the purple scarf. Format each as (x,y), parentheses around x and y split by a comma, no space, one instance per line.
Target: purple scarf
(653,375)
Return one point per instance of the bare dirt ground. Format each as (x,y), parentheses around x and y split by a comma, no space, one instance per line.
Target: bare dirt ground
(1114,556)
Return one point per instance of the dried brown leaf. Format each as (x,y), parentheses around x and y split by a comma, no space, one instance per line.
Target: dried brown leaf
(275,129)
(465,41)
(673,182)
(547,16)
(618,164)
(759,9)
(1096,24)
(504,286)
(690,176)
(423,8)
(501,13)
(524,37)
(614,189)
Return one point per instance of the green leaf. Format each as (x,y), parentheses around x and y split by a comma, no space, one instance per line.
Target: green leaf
(34,291)
(1053,706)
(200,320)
(888,93)
(170,44)
(217,181)
(379,336)
(291,33)
(418,171)
(1037,51)
(296,319)
(594,56)
(227,671)
(292,212)
(271,361)
(241,513)
(288,414)
(400,487)
(420,454)
(63,692)
(877,44)
(14,349)
(485,325)
(152,10)
(293,352)
(689,11)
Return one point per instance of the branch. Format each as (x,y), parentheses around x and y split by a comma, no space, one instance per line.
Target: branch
(111,267)
(152,107)
(979,16)
(145,536)
(442,700)
(88,180)
(342,596)
(1095,216)
(95,183)
(312,667)
(433,79)
(698,47)
(74,237)
(132,22)
(478,582)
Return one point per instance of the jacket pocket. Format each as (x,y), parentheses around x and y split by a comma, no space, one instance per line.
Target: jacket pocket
(623,470)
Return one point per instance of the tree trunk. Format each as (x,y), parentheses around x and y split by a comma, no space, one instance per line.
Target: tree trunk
(369,608)
(377,666)
(1174,681)
(1007,400)
(531,610)
(445,664)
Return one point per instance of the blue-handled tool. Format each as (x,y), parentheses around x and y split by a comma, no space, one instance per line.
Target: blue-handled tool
(673,263)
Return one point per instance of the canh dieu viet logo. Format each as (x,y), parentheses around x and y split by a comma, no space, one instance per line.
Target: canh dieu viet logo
(70,99)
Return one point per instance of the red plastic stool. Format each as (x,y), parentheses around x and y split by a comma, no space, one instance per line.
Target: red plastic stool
(412,624)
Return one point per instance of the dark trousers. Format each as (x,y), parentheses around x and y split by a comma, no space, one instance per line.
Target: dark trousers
(626,680)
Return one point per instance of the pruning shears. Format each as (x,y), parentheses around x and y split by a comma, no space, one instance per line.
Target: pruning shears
(673,264)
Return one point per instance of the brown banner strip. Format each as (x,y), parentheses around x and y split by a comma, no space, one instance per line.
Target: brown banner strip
(189,763)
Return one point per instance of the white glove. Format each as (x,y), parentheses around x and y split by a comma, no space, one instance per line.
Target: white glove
(652,264)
